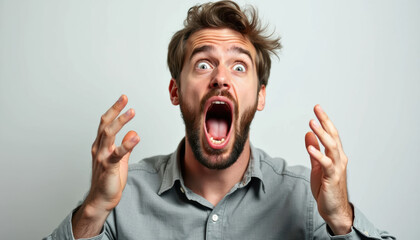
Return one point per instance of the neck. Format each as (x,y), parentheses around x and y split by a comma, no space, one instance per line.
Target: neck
(213,184)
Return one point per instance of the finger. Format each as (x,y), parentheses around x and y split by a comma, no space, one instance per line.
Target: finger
(326,123)
(131,139)
(316,167)
(310,140)
(112,112)
(326,163)
(108,117)
(108,135)
(331,146)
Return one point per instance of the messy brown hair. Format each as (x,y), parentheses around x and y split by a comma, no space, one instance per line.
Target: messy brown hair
(224,14)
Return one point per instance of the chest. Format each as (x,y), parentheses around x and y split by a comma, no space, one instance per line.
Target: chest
(246,213)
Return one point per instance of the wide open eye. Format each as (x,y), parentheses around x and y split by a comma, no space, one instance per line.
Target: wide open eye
(239,68)
(203,65)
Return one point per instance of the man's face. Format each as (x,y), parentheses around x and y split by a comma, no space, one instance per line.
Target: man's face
(218,95)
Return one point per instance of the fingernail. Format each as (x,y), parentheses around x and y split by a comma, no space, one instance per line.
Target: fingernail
(320,108)
(128,113)
(134,139)
(120,99)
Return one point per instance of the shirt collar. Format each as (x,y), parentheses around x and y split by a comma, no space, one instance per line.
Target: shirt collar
(255,163)
(172,171)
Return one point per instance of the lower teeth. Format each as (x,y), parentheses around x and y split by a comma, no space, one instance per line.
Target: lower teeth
(217,141)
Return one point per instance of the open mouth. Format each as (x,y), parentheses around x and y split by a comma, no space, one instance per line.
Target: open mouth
(218,121)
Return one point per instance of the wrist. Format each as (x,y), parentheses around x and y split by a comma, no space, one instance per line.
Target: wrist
(88,221)
(341,224)
(93,213)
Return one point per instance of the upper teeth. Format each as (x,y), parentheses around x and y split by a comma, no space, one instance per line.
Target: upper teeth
(218,102)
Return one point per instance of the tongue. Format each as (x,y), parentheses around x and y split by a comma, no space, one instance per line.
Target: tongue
(217,128)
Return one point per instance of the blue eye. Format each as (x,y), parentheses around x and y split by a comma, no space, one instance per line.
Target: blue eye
(203,65)
(239,68)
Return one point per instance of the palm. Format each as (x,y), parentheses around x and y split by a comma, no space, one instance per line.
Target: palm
(328,173)
(110,162)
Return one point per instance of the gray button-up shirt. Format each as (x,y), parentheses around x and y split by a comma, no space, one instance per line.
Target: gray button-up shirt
(273,201)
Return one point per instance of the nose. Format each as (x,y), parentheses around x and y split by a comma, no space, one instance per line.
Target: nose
(220,79)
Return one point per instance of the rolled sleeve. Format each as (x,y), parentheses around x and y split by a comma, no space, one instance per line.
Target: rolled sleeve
(65,231)
(351,235)
(362,229)
(366,229)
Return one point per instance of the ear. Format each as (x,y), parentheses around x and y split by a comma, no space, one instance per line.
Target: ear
(261,98)
(173,92)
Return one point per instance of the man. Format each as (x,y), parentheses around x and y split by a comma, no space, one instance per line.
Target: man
(217,185)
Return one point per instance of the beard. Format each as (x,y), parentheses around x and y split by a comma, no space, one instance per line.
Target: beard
(194,129)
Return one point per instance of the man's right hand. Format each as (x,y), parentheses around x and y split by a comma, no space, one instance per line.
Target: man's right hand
(109,171)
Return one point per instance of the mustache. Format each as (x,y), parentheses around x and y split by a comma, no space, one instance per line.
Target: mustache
(218,92)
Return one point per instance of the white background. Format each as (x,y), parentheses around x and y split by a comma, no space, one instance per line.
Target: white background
(63,63)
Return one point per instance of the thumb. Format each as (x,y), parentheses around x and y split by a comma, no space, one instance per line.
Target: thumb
(311,140)
(130,140)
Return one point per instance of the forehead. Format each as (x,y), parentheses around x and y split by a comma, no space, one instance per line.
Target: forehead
(221,37)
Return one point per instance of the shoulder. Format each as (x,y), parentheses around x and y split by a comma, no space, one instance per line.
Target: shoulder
(146,176)
(290,188)
(152,164)
(148,171)
(276,169)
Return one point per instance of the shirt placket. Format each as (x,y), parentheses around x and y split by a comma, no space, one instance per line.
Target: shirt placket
(215,220)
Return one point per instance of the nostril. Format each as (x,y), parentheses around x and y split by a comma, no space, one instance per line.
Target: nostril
(219,84)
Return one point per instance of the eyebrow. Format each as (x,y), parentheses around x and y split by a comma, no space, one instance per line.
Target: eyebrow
(205,48)
(241,50)
(209,48)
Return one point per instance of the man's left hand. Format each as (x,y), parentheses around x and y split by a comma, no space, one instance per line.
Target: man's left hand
(329,174)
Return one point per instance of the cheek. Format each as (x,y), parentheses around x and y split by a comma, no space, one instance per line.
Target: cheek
(246,95)
(248,102)
(191,92)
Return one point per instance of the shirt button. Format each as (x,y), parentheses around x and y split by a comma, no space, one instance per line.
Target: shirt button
(182,189)
(214,217)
